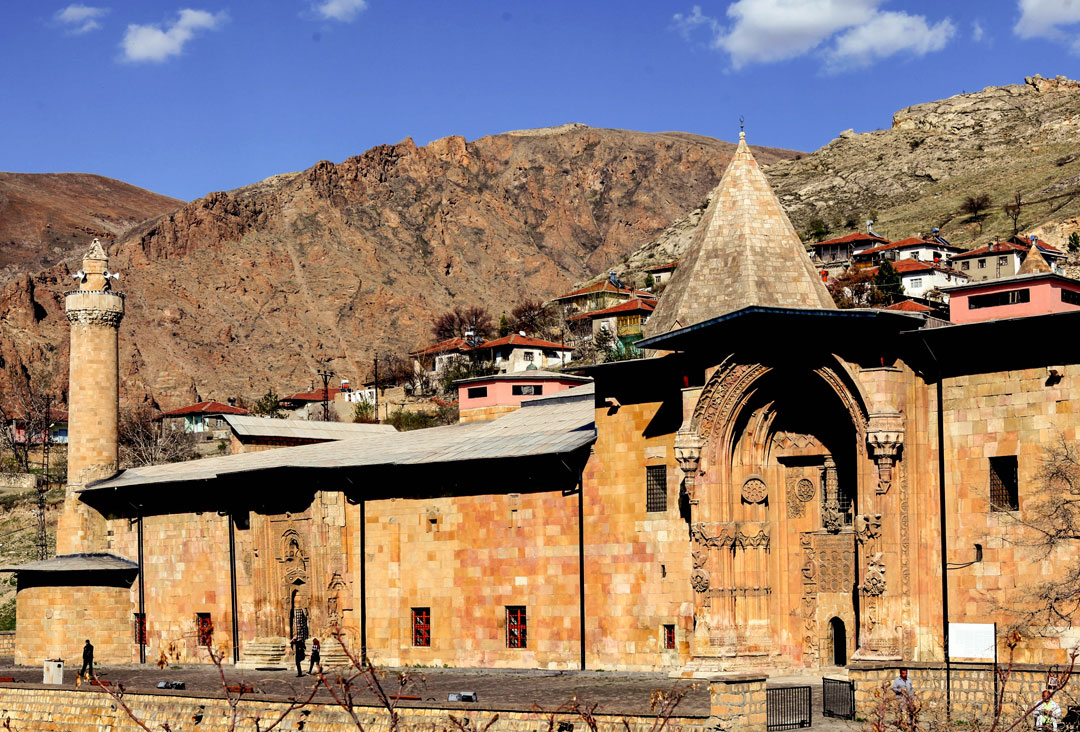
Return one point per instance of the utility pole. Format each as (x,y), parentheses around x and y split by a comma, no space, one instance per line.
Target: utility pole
(325,375)
(377,387)
(43,486)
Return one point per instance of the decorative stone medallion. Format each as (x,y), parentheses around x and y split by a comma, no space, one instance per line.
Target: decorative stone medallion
(699,580)
(805,490)
(754,490)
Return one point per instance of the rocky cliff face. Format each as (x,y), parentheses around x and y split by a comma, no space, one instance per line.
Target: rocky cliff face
(916,175)
(258,287)
(47,218)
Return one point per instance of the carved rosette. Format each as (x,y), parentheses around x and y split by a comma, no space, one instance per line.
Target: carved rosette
(885,436)
(804,490)
(688,444)
(754,490)
(699,580)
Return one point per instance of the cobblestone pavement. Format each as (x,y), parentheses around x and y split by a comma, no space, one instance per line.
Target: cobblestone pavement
(497,689)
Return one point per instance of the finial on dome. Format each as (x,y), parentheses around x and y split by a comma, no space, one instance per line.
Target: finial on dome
(742,135)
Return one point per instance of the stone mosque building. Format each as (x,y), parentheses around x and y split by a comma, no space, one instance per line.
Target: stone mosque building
(781,484)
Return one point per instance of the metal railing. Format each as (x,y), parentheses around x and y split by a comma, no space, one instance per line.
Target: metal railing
(787,707)
(837,698)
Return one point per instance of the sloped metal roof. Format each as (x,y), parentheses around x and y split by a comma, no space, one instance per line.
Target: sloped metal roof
(546,429)
(76,563)
(245,426)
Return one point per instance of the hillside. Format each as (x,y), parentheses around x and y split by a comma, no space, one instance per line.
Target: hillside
(255,288)
(915,176)
(44,218)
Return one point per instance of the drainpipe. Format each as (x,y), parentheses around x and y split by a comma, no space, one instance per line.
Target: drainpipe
(142,602)
(943,519)
(363,578)
(232,589)
(581,560)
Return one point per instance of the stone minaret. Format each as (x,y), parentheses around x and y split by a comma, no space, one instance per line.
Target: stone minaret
(94,311)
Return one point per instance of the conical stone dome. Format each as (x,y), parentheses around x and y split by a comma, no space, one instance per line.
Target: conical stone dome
(744,252)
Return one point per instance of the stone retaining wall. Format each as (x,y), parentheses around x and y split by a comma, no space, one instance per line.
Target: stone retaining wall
(7,642)
(43,709)
(972,688)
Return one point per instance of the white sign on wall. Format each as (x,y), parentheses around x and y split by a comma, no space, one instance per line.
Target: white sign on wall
(972,641)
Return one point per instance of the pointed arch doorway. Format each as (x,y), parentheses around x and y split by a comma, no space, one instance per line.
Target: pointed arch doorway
(838,632)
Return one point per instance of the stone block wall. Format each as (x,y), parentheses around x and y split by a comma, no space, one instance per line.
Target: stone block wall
(60,710)
(972,689)
(55,621)
(7,643)
(738,702)
(1010,413)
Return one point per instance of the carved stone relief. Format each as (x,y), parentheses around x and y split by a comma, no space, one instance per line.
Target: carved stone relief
(809,601)
(885,436)
(835,562)
(805,490)
(874,582)
(867,527)
(795,507)
(754,490)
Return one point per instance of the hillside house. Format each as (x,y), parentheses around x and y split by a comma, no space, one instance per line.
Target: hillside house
(661,273)
(204,419)
(57,430)
(517,352)
(597,296)
(482,398)
(625,321)
(842,249)
(919,277)
(309,404)
(924,249)
(438,356)
(1003,259)
(1034,290)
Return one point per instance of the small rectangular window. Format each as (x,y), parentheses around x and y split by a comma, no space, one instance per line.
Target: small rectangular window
(528,355)
(517,632)
(656,488)
(140,629)
(527,389)
(982,264)
(477,392)
(1003,261)
(669,637)
(965,265)
(421,626)
(1004,484)
(1071,297)
(916,282)
(204,627)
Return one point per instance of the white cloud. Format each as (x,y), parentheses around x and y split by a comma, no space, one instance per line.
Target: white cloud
(80,19)
(343,10)
(1042,18)
(977,31)
(687,24)
(154,43)
(887,34)
(766,31)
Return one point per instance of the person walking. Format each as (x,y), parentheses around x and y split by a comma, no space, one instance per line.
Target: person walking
(901,685)
(87,661)
(1047,713)
(316,659)
(298,649)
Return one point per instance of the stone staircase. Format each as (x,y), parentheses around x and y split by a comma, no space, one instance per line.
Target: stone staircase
(261,652)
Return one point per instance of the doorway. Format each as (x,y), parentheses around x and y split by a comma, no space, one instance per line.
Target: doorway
(839,641)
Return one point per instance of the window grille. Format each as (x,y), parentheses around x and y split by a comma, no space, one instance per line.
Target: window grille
(140,629)
(1004,484)
(517,635)
(421,626)
(656,488)
(528,355)
(204,627)
(997,299)
(669,637)
(982,264)
(1071,297)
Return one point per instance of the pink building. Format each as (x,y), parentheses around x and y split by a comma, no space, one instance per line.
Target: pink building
(1039,293)
(486,397)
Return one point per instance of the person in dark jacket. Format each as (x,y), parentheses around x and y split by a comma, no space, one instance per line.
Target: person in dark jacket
(316,660)
(87,660)
(299,649)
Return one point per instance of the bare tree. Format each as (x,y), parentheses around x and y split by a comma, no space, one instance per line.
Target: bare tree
(27,410)
(146,441)
(454,323)
(1012,210)
(535,319)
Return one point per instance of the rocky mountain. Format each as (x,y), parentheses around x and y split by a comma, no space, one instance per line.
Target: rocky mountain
(259,287)
(916,175)
(45,218)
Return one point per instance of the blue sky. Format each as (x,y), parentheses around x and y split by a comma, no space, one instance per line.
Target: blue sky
(191,97)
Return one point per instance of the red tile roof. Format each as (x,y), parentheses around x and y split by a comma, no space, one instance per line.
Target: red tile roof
(911,241)
(602,286)
(853,236)
(514,340)
(451,344)
(663,267)
(1026,240)
(630,306)
(311,396)
(1004,247)
(911,266)
(909,306)
(210,407)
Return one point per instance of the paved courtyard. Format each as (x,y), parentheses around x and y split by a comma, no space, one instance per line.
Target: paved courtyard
(496,689)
